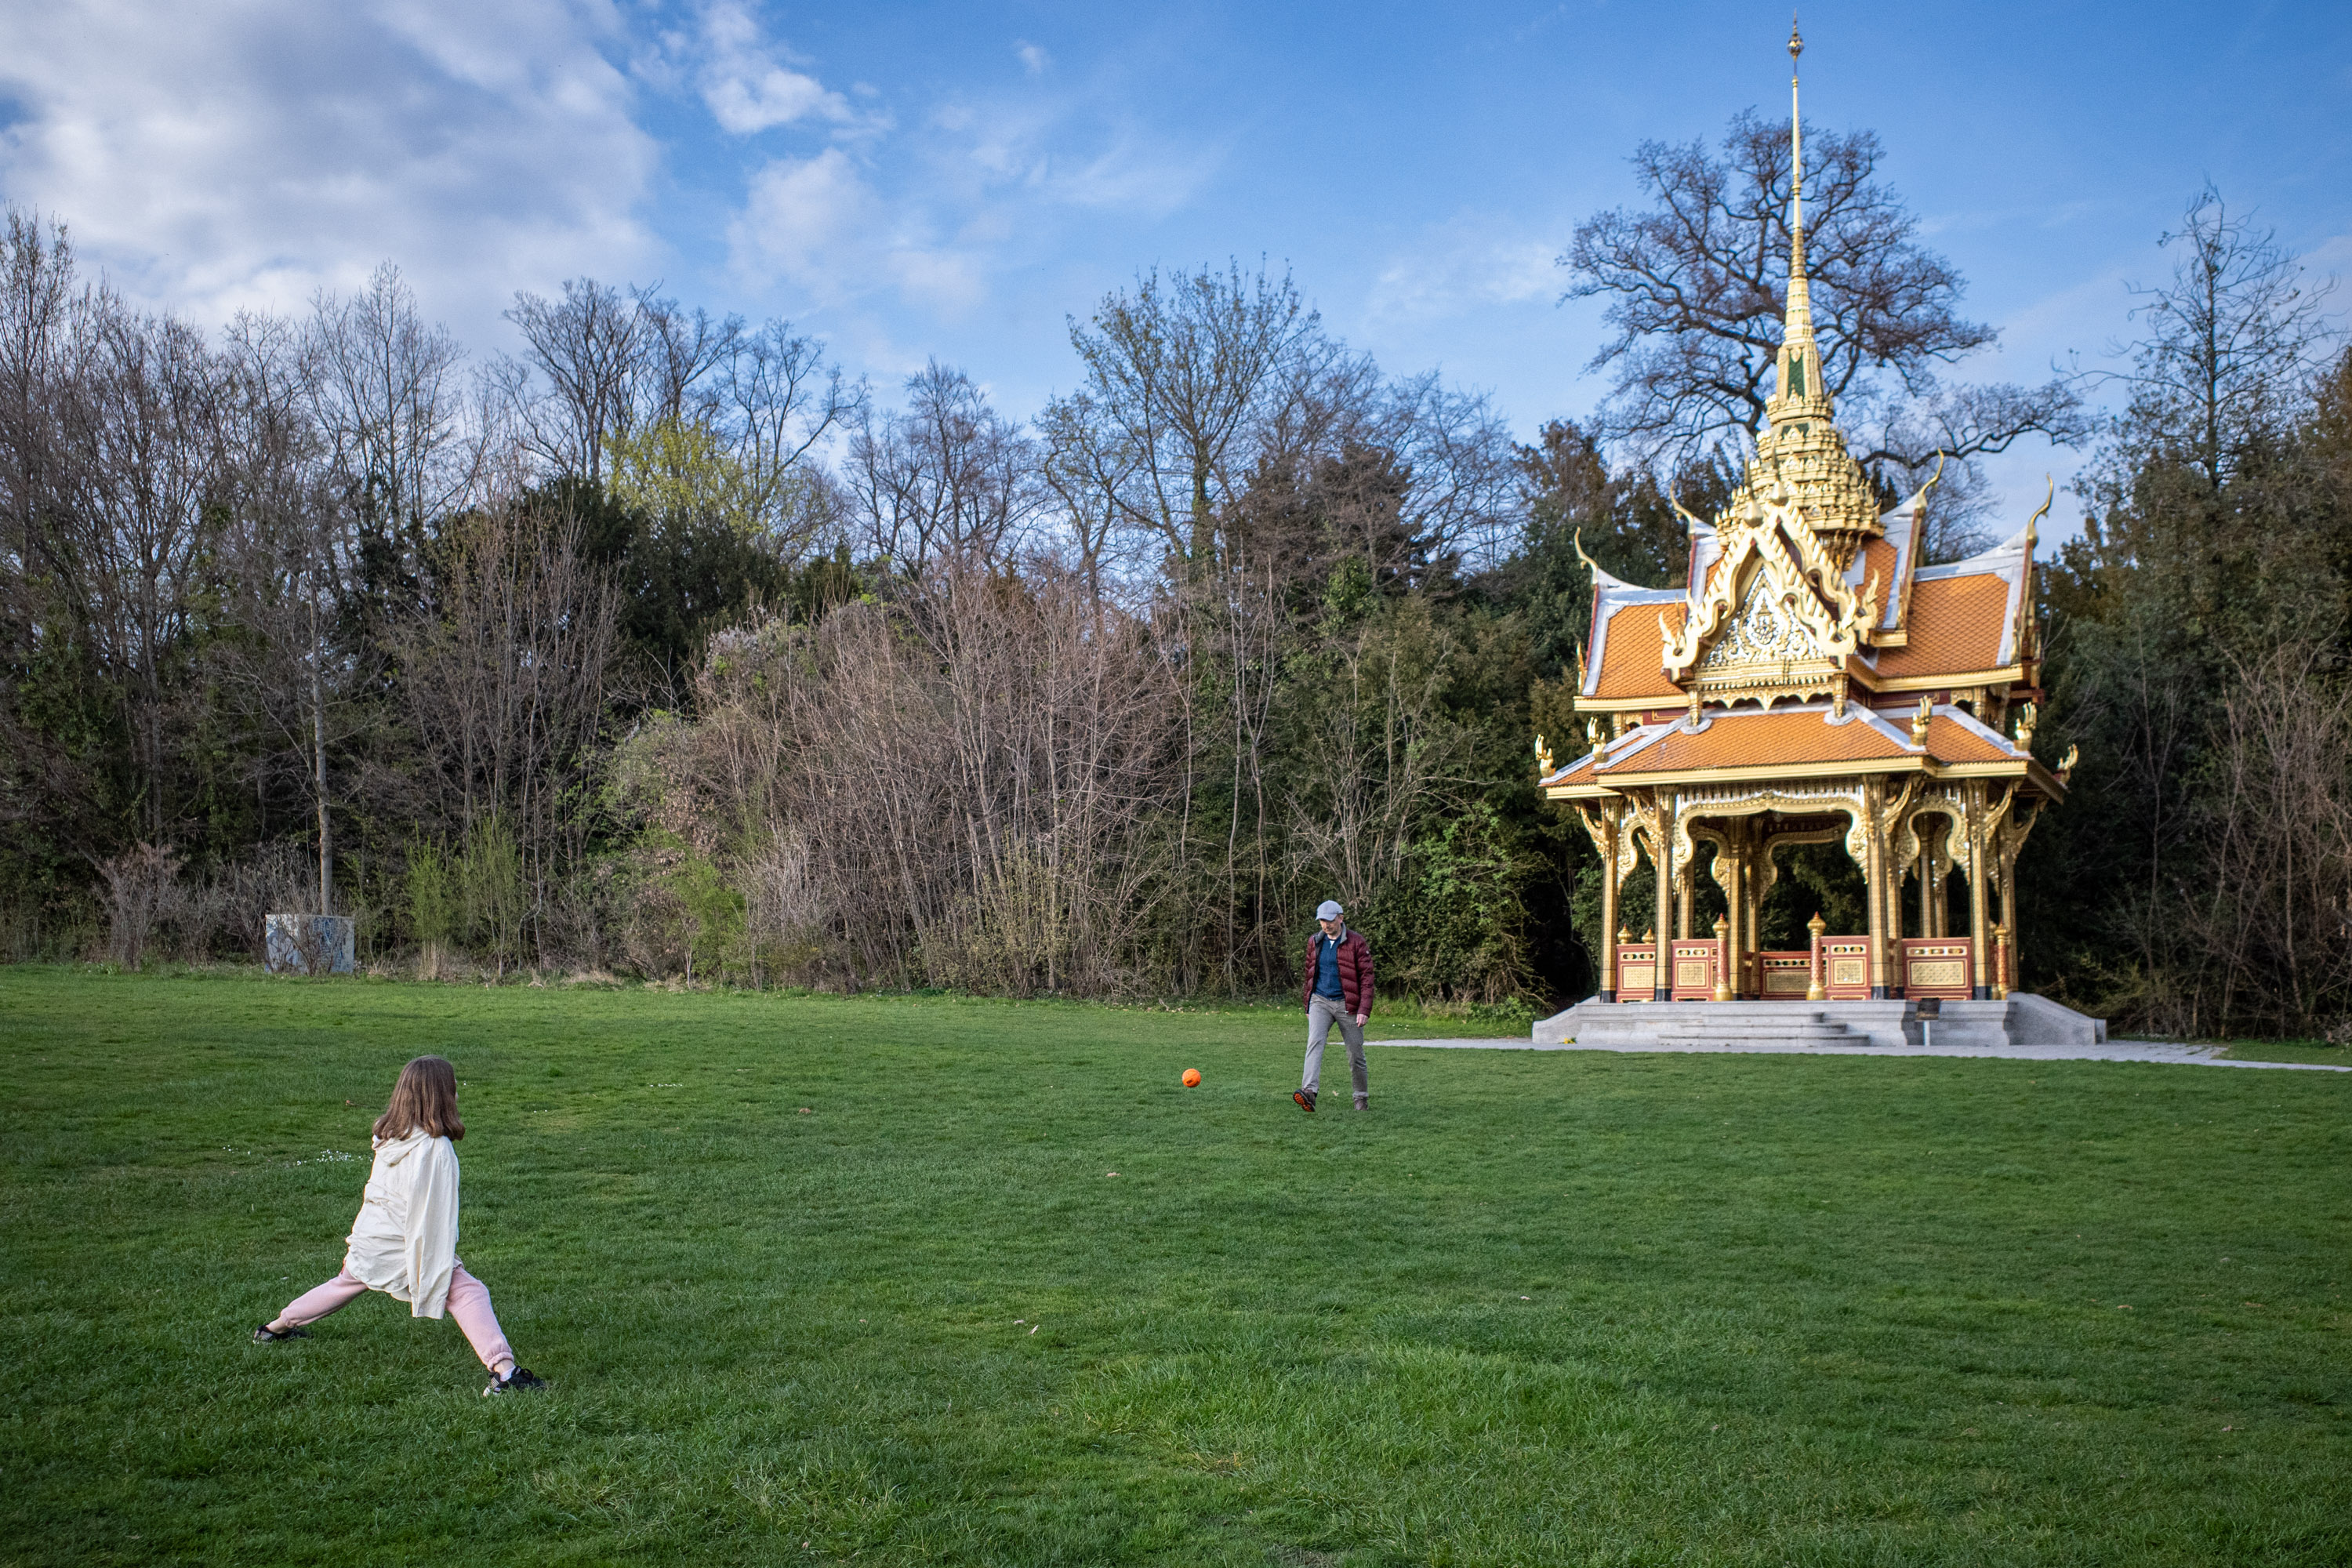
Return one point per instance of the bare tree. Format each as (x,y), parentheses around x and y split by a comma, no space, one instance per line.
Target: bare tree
(1410,472)
(593,347)
(948,479)
(1695,287)
(1184,376)
(776,399)
(384,391)
(613,362)
(2235,344)
(289,479)
(2274,917)
(36,314)
(682,350)
(1087,464)
(139,463)
(505,689)
(1379,753)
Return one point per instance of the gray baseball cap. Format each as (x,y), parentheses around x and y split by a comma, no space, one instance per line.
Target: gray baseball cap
(1328,910)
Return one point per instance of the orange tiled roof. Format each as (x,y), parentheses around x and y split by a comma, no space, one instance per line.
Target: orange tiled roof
(1880,559)
(1758,740)
(1803,737)
(1957,624)
(1950,741)
(1633,656)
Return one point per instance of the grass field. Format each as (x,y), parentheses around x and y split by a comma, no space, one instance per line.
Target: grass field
(1556,1308)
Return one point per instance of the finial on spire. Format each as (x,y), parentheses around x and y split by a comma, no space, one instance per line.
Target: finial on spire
(1797,334)
(1796,145)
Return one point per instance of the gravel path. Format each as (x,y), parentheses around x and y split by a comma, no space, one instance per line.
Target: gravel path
(2112,1051)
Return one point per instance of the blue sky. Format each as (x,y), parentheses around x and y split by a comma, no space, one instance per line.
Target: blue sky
(954,181)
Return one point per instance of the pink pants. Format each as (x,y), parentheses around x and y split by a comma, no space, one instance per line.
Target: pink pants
(469,1303)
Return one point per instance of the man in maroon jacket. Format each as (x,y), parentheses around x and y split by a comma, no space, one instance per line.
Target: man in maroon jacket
(1338,989)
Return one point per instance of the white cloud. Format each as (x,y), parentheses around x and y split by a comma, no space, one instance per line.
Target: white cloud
(222,157)
(933,212)
(747,88)
(1032,146)
(1032,59)
(818,224)
(1470,262)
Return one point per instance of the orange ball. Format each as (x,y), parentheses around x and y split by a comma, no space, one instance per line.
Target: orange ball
(1192,1078)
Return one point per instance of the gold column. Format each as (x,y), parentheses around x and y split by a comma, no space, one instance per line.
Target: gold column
(1979,926)
(1815,990)
(1894,971)
(2004,985)
(1613,816)
(1734,904)
(1668,817)
(1682,894)
(1753,912)
(1873,874)
(1723,992)
(1730,874)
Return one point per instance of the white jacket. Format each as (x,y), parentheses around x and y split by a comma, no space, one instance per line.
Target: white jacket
(404,1242)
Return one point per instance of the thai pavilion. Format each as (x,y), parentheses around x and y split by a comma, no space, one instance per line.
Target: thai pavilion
(1814,683)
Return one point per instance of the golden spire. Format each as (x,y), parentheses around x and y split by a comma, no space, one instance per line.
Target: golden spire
(1799,321)
(1801,456)
(1797,392)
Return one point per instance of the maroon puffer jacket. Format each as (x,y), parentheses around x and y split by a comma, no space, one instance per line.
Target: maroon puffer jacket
(1355,972)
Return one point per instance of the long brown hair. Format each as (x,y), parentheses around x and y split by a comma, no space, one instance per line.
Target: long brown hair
(423,1100)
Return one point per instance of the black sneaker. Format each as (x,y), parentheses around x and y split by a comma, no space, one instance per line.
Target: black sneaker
(266,1335)
(518,1380)
(1305,1098)
(1363,1102)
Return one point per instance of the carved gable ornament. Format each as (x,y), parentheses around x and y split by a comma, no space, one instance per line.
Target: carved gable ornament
(1775,616)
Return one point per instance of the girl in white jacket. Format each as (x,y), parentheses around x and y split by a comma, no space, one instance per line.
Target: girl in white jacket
(404,1242)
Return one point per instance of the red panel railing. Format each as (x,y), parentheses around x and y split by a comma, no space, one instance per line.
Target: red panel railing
(1787,976)
(1845,968)
(1698,962)
(1637,971)
(1942,967)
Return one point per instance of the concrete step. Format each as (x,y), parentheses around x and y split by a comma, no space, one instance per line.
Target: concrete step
(2021,1019)
(1718,1019)
(1808,1034)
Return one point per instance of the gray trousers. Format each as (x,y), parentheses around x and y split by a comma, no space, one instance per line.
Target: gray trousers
(1322,1012)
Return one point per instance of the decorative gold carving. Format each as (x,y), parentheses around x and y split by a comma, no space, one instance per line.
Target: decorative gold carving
(1910,843)
(1745,800)
(1775,614)
(1604,823)
(2008,838)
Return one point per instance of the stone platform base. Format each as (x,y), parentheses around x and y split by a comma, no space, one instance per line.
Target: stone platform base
(2022,1020)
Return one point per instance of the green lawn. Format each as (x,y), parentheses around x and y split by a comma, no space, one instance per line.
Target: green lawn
(1542,1308)
(2318,1052)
